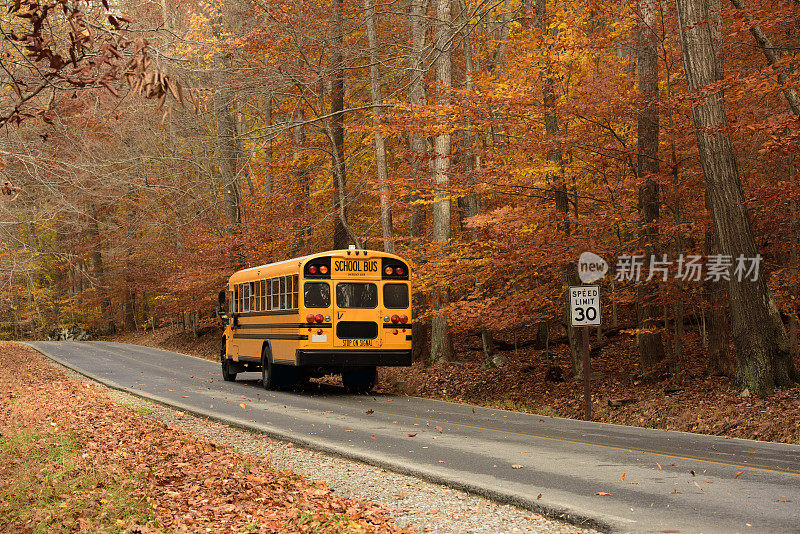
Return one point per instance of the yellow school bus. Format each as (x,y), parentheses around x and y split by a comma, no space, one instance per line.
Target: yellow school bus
(341,311)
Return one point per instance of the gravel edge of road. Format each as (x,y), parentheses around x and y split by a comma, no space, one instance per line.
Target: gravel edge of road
(524,516)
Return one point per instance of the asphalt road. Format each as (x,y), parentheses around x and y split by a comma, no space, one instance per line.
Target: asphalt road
(607,476)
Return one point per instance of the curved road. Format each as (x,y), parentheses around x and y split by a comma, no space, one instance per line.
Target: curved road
(606,476)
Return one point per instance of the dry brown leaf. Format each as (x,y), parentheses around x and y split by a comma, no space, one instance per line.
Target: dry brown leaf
(602,493)
(517,466)
(739,473)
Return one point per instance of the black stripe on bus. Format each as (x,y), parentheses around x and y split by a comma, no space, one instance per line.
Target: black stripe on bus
(283,325)
(267,312)
(398,325)
(293,337)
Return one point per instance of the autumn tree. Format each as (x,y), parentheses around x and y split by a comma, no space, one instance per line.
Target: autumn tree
(441,345)
(648,340)
(764,358)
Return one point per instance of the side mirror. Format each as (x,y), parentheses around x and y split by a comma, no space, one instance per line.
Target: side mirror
(222,311)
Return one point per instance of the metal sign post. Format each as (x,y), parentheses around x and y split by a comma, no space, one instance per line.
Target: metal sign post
(584,307)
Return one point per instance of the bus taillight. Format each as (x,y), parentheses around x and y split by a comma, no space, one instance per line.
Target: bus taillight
(404,319)
(310,318)
(395,319)
(319,318)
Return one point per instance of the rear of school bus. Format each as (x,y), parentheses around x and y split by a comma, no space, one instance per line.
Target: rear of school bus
(357,308)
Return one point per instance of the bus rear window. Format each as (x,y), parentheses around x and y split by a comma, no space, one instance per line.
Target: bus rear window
(317,295)
(395,296)
(356,295)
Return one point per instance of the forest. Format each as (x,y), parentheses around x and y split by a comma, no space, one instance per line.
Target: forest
(151,149)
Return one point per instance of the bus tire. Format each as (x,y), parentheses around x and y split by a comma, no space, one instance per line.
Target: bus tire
(268,378)
(228,372)
(360,380)
(275,376)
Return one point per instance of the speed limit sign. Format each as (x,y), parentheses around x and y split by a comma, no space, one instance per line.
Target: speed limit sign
(584,305)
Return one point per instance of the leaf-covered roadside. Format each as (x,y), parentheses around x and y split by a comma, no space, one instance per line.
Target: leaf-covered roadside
(187,483)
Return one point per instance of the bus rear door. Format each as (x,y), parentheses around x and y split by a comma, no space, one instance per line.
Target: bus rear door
(357,320)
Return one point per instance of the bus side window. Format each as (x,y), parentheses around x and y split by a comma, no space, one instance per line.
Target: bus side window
(283,292)
(268,294)
(295,292)
(236,298)
(246,297)
(261,303)
(276,292)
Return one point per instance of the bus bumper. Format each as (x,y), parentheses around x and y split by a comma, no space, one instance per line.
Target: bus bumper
(353,358)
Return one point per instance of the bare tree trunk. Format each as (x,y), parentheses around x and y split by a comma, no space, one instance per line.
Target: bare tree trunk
(574,337)
(651,348)
(441,344)
(721,362)
(299,142)
(502,35)
(418,158)
(337,131)
(129,317)
(377,114)
(764,357)
(97,264)
(268,185)
(554,156)
(793,258)
(226,145)
(417,97)
(468,204)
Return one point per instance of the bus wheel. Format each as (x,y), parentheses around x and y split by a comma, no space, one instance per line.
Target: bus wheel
(268,379)
(360,380)
(228,374)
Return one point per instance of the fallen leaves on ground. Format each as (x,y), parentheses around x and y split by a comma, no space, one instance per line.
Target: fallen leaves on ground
(192,484)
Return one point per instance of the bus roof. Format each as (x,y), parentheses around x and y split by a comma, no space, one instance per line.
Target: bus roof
(246,274)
